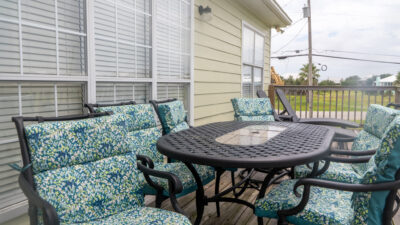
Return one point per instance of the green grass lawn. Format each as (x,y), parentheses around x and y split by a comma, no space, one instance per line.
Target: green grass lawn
(337,100)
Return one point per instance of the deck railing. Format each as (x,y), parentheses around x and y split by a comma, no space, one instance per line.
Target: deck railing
(340,102)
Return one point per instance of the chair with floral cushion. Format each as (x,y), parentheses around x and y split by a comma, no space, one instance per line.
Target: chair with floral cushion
(253,109)
(82,170)
(173,118)
(318,201)
(143,134)
(352,169)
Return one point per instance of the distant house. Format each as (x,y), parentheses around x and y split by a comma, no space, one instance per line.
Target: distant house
(58,54)
(388,81)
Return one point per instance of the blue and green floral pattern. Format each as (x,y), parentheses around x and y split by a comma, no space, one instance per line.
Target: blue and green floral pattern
(252,109)
(143,138)
(325,206)
(173,116)
(378,119)
(369,206)
(337,171)
(143,142)
(58,144)
(141,116)
(87,171)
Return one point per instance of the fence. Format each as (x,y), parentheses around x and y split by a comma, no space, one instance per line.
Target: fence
(348,103)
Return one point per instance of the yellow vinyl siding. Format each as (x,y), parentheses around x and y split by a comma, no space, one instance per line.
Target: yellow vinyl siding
(218,60)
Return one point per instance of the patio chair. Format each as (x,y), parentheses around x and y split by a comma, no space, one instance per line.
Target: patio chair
(394,105)
(143,135)
(80,169)
(317,201)
(173,118)
(341,135)
(350,170)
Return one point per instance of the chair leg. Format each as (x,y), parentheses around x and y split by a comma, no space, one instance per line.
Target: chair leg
(233,183)
(159,199)
(217,181)
(260,221)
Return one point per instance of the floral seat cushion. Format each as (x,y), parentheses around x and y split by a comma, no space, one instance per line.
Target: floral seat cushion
(377,121)
(173,116)
(337,171)
(253,109)
(143,216)
(87,171)
(325,206)
(206,174)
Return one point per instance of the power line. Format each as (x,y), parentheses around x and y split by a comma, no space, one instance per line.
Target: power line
(335,57)
(291,25)
(304,25)
(356,52)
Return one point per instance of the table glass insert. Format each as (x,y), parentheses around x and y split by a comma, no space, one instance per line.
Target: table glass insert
(251,135)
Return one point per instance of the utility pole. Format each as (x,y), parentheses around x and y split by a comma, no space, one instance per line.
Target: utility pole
(310,75)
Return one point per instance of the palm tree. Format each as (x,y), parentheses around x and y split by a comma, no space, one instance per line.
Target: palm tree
(303,75)
(397,82)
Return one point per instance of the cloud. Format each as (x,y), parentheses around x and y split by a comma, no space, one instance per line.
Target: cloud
(342,25)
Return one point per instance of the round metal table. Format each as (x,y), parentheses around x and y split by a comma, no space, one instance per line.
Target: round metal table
(294,144)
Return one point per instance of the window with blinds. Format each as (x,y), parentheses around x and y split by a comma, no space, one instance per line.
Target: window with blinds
(42,50)
(253,61)
(44,63)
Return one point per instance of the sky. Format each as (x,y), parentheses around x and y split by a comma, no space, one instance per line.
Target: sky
(369,27)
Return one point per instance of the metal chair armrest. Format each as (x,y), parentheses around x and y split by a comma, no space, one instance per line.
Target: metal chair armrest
(353,153)
(361,159)
(49,212)
(384,186)
(174,184)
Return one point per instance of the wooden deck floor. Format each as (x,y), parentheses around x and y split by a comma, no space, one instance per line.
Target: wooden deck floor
(231,213)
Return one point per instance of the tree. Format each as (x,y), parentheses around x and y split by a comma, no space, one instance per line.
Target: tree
(327,83)
(397,82)
(351,81)
(303,75)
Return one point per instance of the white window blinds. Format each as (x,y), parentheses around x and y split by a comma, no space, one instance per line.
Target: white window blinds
(173,37)
(123,38)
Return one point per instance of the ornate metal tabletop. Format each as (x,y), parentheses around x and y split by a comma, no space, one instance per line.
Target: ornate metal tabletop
(271,144)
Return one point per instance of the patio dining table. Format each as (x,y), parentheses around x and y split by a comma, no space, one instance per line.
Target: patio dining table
(249,145)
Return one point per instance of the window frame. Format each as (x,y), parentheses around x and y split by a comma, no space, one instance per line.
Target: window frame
(252,65)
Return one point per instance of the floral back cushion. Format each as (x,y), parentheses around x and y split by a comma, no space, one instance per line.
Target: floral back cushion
(252,107)
(54,145)
(141,116)
(378,119)
(173,116)
(142,126)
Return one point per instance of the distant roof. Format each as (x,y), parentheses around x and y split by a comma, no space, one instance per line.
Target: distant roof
(389,79)
(268,11)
